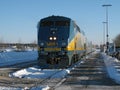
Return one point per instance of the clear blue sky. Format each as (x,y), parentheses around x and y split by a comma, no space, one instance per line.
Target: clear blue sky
(19,18)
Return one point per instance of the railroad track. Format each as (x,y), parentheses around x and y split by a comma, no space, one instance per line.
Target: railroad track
(22,82)
(7,81)
(50,81)
(30,83)
(5,70)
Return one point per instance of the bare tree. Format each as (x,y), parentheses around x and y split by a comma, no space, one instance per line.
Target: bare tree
(34,42)
(117,40)
(19,40)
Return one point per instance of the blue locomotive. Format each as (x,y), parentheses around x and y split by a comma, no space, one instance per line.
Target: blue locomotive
(61,42)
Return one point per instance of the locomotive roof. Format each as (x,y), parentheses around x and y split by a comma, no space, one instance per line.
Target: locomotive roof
(55,18)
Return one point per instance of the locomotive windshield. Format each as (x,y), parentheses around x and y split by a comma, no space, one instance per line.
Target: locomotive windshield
(54,23)
(61,23)
(47,23)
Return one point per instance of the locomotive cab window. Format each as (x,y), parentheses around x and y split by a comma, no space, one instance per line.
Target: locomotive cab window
(61,23)
(47,23)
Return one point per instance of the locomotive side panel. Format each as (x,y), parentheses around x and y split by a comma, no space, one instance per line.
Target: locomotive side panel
(76,47)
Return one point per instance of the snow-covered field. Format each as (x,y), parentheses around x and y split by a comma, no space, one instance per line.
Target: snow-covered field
(112,64)
(9,58)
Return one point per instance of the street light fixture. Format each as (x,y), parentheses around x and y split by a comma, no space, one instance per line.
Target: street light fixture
(107,36)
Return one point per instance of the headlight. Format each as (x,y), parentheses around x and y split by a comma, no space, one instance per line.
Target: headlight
(50,38)
(54,38)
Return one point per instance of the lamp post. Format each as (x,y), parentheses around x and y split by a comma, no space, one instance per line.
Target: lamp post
(104,23)
(107,36)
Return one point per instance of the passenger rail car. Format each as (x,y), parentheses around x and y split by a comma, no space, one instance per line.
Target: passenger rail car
(60,42)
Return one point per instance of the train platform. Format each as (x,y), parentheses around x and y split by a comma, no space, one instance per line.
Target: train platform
(96,73)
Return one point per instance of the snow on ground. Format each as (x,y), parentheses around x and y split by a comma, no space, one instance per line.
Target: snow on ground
(40,88)
(26,88)
(113,67)
(9,58)
(9,88)
(33,72)
(112,64)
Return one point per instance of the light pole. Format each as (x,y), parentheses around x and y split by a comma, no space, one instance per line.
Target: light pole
(104,24)
(107,36)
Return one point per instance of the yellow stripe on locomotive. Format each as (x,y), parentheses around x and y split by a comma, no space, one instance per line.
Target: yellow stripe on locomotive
(52,49)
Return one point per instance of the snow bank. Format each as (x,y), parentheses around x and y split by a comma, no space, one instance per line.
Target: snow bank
(40,88)
(9,88)
(113,67)
(26,88)
(33,72)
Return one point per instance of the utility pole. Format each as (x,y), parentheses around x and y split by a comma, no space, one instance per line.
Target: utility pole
(104,24)
(107,35)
